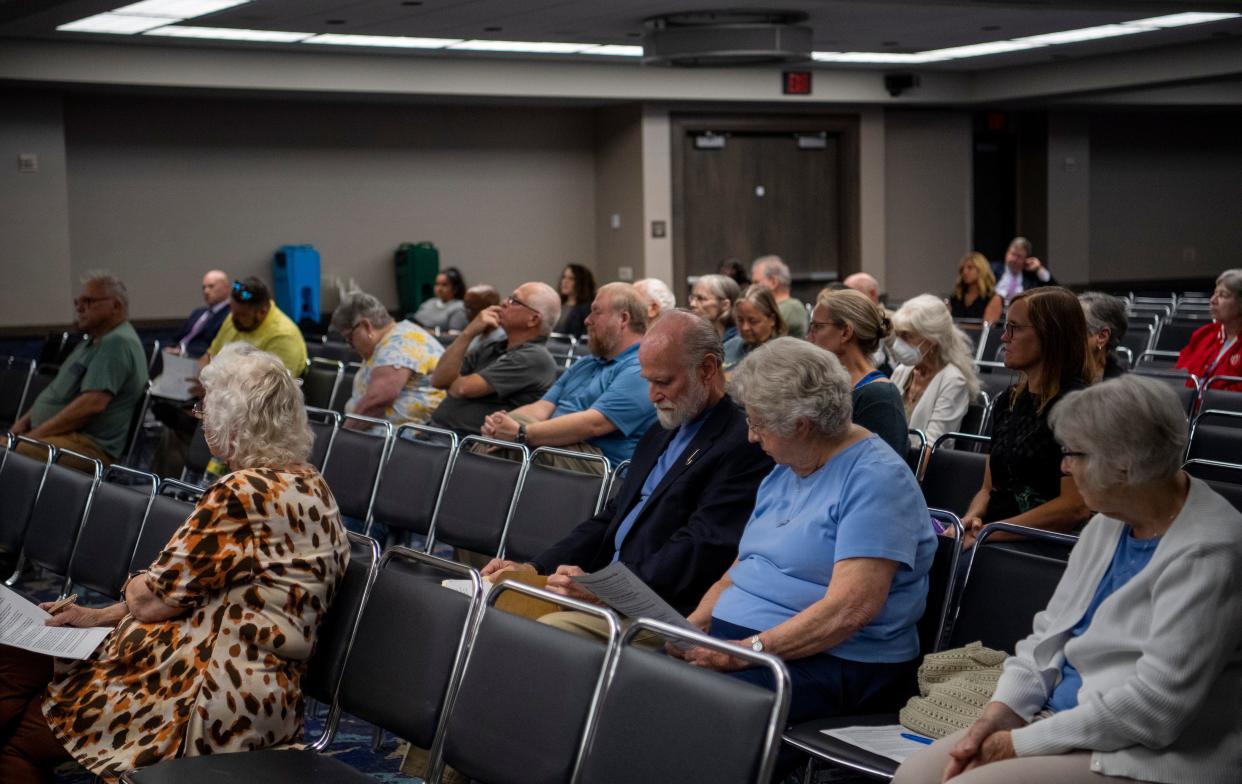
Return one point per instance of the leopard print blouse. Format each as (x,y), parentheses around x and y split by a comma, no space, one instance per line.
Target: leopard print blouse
(256,564)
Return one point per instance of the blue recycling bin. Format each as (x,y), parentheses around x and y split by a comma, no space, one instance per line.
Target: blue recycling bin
(295,273)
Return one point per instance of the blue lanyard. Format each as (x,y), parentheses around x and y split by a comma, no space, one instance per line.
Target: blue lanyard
(867,379)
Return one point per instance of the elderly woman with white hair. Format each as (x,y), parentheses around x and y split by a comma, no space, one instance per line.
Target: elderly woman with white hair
(211,640)
(398,358)
(936,376)
(831,572)
(1133,671)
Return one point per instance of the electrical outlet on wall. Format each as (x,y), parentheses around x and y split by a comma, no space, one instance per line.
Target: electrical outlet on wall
(625,273)
(28,162)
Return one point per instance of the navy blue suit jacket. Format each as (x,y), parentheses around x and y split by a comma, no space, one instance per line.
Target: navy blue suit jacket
(202,341)
(686,536)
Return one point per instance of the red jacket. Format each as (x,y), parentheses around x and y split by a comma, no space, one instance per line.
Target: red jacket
(1199,354)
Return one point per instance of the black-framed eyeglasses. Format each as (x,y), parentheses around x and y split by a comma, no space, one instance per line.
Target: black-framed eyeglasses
(816,326)
(348,334)
(242,292)
(1008,327)
(512,300)
(86,302)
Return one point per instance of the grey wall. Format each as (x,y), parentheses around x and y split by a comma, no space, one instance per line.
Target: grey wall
(619,192)
(161,189)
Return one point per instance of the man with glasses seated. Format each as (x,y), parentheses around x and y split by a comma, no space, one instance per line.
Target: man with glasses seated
(498,375)
(255,319)
(88,407)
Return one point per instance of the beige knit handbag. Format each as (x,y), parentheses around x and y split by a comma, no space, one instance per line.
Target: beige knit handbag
(954,688)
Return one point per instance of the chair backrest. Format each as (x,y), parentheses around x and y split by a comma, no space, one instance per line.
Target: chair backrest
(21,479)
(353,470)
(551,503)
(323,425)
(38,382)
(345,389)
(548,682)
(476,520)
(990,345)
(166,515)
(1175,334)
(1186,385)
(1211,399)
(1216,435)
(1138,338)
(110,531)
(953,477)
(413,479)
(407,651)
(198,455)
(320,380)
(996,380)
(14,379)
(617,479)
(663,720)
(335,350)
(1006,586)
(135,424)
(561,347)
(976,414)
(1224,478)
(914,450)
(940,579)
(57,516)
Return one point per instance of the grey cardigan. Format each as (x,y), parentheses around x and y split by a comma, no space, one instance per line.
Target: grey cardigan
(1161,663)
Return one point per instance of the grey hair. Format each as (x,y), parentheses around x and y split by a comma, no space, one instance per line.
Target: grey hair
(359,305)
(254,413)
(1232,280)
(547,303)
(699,339)
(658,291)
(720,286)
(623,298)
(1023,243)
(1132,430)
(927,316)
(111,283)
(1105,311)
(774,267)
(787,380)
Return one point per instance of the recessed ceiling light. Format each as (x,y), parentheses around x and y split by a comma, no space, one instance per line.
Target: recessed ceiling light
(177,9)
(615,50)
(1084,34)
(229,34)
(393,41)
(531,47)
(1181,20)
(113,23)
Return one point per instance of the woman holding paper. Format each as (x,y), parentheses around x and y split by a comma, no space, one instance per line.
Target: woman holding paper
(210,642)
(831,573)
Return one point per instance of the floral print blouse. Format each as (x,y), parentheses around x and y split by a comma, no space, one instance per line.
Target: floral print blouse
(406,346)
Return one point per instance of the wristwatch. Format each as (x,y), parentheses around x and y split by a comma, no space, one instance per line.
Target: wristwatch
(756,644)
(521,434)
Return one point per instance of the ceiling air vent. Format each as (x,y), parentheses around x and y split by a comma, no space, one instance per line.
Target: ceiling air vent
(727,38)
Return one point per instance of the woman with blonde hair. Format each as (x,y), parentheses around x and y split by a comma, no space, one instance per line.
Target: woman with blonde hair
(758,320)
(974,294)
(937,373)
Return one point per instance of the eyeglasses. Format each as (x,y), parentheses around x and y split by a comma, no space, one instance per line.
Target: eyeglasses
(348,334)
(86,302)
(755,427)
(815,326)
(1007,328)
(1071,453)
(242,292)
(197,409)
(512,300)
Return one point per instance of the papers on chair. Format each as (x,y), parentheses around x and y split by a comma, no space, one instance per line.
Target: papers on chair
(620,589)
(466,586)
(21,626)
(891,740)
(179,373)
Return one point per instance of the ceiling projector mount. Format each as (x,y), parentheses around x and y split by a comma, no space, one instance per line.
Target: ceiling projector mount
(726,38)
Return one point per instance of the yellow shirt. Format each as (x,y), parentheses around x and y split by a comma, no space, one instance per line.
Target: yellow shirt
(276,334)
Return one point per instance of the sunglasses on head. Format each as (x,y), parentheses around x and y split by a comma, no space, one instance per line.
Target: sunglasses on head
(241,292)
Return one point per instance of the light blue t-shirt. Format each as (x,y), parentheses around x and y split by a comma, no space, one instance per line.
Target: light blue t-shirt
(863,503)
(613,387)
(1129,559)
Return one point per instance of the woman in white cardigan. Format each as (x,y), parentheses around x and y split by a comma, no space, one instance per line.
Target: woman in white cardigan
(937,373)
(1134,670)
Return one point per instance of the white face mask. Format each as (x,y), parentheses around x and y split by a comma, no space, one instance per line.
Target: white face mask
(904,353)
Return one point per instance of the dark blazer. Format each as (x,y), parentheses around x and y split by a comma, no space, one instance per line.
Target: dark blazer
(686,536)
(199,345)
(1029,279)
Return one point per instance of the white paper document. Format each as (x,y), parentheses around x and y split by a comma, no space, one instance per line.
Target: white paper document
(179,373)
(21,626)
(889,740)
(466,586)
(620,589)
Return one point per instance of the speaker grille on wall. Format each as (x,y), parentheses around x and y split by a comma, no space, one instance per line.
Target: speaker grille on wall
(727,38)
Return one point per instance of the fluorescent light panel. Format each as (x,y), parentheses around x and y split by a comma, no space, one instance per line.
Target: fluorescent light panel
(229,34)
(532,47)
(615,50)
(177,9)
(113,23)
(1085,34)
(394,41)
(1181,20)
(893,58)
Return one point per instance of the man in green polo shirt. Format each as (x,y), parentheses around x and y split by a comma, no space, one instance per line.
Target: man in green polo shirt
(255,319)
(88,407)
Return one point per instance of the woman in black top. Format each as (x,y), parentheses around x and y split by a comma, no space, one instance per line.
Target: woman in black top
(974,295)
(1045,337)
(577,290)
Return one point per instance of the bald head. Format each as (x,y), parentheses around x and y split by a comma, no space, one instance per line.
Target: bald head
(861,281)
(479,298)
(215,287)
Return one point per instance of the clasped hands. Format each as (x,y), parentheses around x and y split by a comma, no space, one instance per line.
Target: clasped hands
(500,425)
(988,740)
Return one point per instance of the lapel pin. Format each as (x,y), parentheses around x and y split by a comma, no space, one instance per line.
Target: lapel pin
(693,455)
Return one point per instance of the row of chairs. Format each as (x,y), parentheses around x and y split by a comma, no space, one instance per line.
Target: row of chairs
(506,700)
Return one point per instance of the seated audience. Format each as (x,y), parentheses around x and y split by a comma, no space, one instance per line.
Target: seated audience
(253,318)
(600,404)
(446,311)
(1106,326)
(397,360)
(577,290)
(851,326)
(831,571)
(498,375)
(1214,349)
(479,298)
(974,294)
(712,298)
(87,408)
(936,376)
(211,640)
(656,295)
(1131,673)
(1020,271)
(772,273)
(1045,337)
(758,319)
(862,282)
(203,324)
(691,485)
(732,268)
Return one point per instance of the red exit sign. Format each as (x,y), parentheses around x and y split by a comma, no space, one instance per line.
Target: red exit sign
(796,82)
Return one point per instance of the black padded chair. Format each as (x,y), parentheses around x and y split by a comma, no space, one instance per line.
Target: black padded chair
(197,457)
(976,418)
(1184,384)
(551,697)
(14,380)
(1224,478)
(21,480)
(991,345)
(619,473)
(323,424)
(1211,399)
(1175,334)
(479,497)
(320,380)
(996,380)
(110,531)
(940,581)
(346,388)
(334,350)
(551,502)
(561,347)
(653,722)
(953,477)
(353,468)
(56,519)
(167,513)
(413,479)
(1216,435)
(1138,338)
(914,450)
